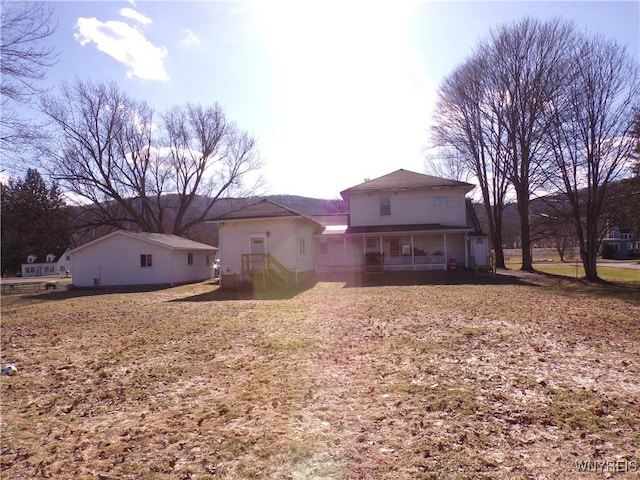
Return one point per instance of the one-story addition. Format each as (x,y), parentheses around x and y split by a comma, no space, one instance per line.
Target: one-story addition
(139,258)
(402,221)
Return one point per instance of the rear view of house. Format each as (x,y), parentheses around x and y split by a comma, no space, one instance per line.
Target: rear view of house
(403,221)
(130,258)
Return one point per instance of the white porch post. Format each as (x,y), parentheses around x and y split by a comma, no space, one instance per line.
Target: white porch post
(413,260)
(445,250)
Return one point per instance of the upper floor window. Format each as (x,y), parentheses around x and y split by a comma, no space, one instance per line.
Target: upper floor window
(440,200)
(50,257)
(146,260)
(189,258)
(385,206)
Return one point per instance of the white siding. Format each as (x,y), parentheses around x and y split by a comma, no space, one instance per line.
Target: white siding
(116,261)
(199,270)
(409,207)
(283,242)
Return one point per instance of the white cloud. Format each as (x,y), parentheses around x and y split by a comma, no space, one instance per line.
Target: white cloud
(134,15)
(190,38)
(126,44)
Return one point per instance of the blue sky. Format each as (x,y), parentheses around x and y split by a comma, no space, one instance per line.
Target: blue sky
(334,91)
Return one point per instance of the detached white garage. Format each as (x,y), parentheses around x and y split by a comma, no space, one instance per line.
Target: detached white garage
(140,258)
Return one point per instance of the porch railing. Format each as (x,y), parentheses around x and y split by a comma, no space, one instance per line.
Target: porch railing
(435,259)
(267,266)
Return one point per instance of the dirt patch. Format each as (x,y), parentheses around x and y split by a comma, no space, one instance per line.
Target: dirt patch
(506,380)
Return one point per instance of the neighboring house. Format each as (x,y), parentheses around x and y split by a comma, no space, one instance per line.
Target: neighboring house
(266,242)
(620,244)
(57,262)
(130,258)
(402,221)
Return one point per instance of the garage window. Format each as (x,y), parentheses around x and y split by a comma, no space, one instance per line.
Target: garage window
(146,260)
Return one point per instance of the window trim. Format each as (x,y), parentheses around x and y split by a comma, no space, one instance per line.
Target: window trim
(385,206)
(146,260)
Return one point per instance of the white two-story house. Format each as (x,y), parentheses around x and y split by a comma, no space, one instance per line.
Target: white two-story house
(403,221)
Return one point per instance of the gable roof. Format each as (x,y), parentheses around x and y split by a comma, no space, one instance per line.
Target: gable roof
(41,256)
(404,180)
(263,209)
(172,242)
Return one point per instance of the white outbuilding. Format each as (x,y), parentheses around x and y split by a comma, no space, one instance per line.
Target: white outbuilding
(140,258)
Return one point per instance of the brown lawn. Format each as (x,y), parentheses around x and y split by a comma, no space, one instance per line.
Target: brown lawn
(516,378)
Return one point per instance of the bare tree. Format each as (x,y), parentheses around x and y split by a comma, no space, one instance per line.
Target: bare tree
(528,60)
(107,149)
(24,61)
(467,123)
(592,137)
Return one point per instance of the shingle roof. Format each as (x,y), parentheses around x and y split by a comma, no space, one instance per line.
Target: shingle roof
(409,228)
(165,240)
(263,209)
(171,241)
(404,180)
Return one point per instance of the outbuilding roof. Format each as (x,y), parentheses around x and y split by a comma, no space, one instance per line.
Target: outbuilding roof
(172,242)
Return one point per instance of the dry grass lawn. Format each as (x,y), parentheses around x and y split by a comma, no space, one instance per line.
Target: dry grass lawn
(517,378)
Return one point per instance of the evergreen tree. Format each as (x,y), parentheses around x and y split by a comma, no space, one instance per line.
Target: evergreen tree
(35,219)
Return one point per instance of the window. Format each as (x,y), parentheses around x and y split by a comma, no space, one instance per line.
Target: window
(68,258)
(62,268)
(440,200)
(189,258)
(146,260)
(385,206)
(302,246)
(324,247)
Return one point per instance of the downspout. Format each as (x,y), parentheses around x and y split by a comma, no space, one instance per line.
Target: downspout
(466,250)
(173,264)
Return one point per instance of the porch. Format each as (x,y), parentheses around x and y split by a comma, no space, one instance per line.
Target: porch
(414,252)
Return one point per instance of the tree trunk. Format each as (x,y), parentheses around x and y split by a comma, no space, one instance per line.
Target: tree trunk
(525,232)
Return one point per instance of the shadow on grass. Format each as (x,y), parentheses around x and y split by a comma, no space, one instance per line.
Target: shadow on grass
(228,294)
(434,277)
(625,291)
(75,292)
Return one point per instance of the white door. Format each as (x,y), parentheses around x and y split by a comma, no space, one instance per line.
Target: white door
(257,247)
(479,251)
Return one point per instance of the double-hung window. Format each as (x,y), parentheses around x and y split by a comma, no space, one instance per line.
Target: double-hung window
(146,260)
(189,258)
(385,206)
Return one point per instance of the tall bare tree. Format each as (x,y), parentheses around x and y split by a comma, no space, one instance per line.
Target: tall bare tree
(107,149)
(24,61)
(592,139)
(528,61)
(467,122)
